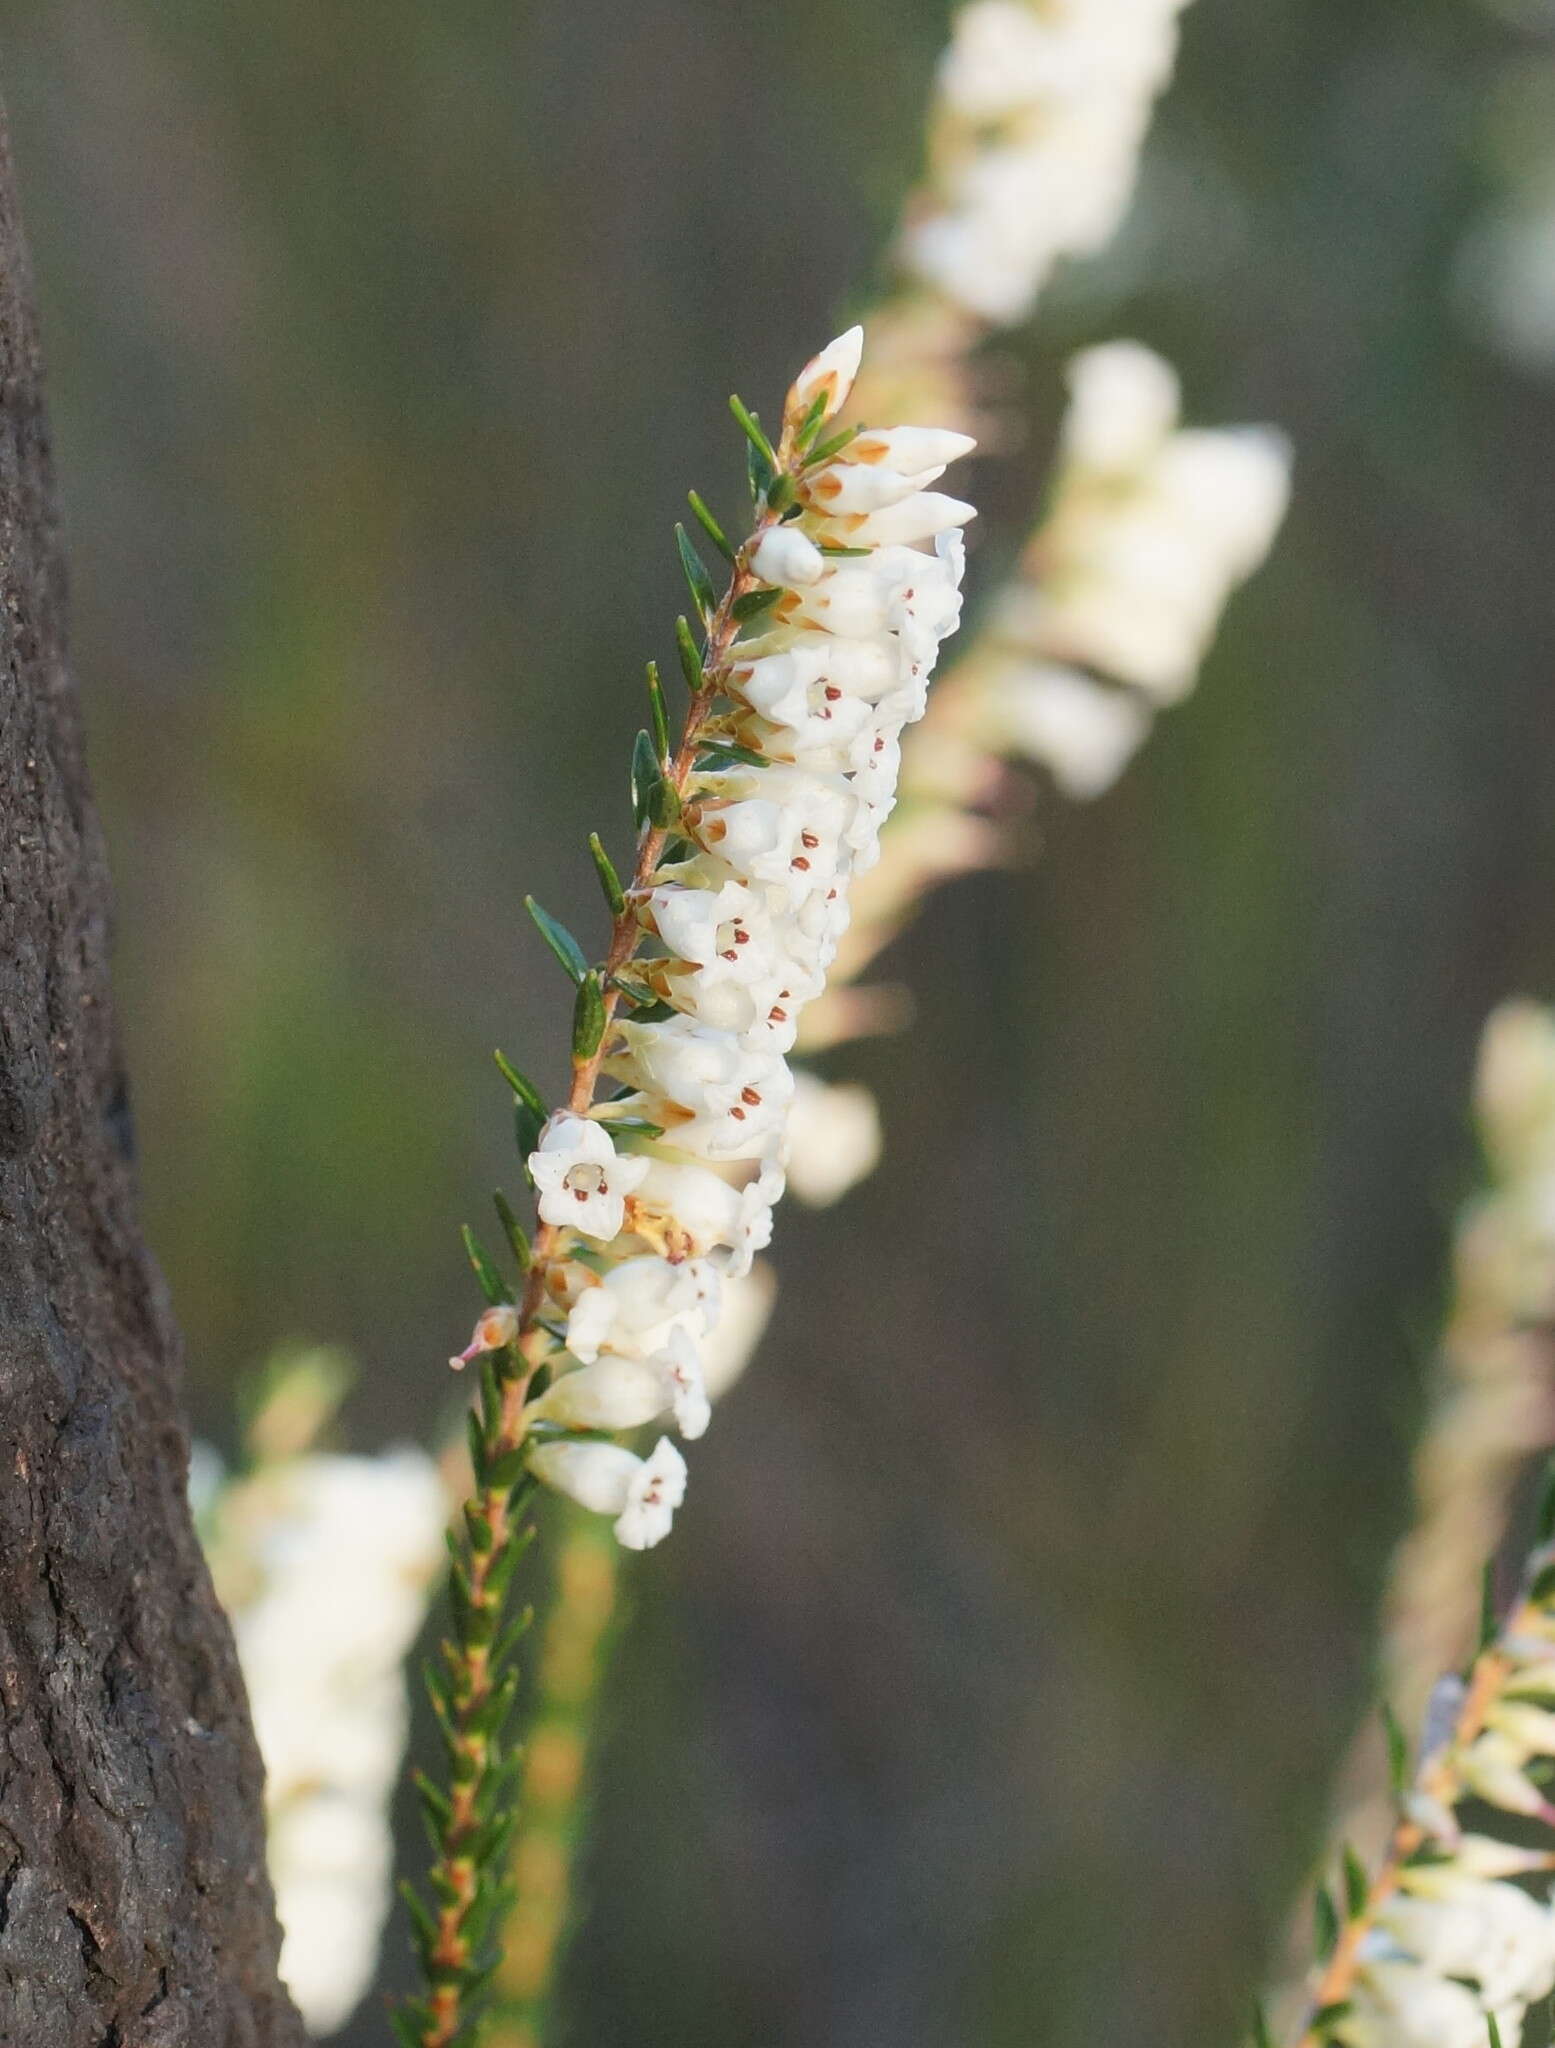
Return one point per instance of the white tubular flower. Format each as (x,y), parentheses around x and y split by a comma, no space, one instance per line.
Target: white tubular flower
(642,1493)
(637,1304)
(1399,2005)
(1082,732)
(1124,400)
(923,516)
(599,1477)
(828,376)
(612,1393)
(785,556)
(833,1139)
(679,1366)
(657,1488)
(689,1209)
(580,1179)
(726,932)
(775,825)
(914,451)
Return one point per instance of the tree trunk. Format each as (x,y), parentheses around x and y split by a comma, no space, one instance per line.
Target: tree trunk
(134,1907)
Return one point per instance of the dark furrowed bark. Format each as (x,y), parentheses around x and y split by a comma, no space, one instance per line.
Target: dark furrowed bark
(134,1908)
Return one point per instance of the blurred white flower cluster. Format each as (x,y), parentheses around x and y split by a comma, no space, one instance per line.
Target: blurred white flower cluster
(325,1564)
(857,584)
(1034,138)
(1152,526)
(1494,1406)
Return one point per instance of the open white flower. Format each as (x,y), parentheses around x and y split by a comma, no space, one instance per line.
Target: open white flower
(581,1181)
(642,1493)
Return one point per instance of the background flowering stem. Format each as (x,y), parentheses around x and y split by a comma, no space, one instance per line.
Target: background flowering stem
(582,1618)
(1443,1939)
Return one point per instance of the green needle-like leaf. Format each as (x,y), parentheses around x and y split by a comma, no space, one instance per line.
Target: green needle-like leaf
(754,603)
(1547,1504)
(725,754)
(588,1018)
(810,425)
(700,584)
(834,446)
(493,1286)
(710,525)
(609,880)
(1325,1923)
(645,773)
(760,472)
(512,1230)
(526,1130)
(781,493)
(521,1085)
(690,657)
(658,713)
(753,430)
(1357,1885)
(559,939)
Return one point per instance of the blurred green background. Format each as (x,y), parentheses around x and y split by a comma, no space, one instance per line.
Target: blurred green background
(987,1691)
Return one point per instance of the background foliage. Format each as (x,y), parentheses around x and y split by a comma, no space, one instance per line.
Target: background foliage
(987,1689)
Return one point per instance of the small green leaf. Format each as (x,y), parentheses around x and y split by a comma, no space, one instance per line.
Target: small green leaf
(781,493)
(1399,1772)
(810,425)
(832,547)
(632,1126)
(1357,1885)
(1495,2030)
(609,880)
(754,603)
(559,939)
(646,771)
(658,712)
(1325,1924)
(725,754)
(700,584)
(433,1798)
(664,805)
(710,525)
(760,473)
(753,430)
(526,1131)
(588,1018)
(690,658)
(409,2027)
(521,1085)
(493,1286)
(834,446)
(1262,2038)
(512,1230)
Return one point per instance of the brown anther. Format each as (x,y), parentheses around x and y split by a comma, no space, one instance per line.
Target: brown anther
(810,839)
(832,693)
(738,1114)
(801,863)
(750,1095)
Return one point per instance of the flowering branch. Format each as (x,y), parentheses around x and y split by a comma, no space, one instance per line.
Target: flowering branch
(750,828)
(1440,1945)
